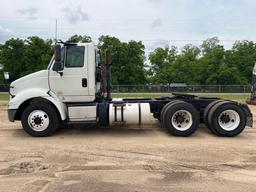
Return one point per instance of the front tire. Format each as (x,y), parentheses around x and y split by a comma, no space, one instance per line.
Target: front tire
(40,119)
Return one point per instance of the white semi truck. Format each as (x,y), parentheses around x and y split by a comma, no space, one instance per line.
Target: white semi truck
(75,88)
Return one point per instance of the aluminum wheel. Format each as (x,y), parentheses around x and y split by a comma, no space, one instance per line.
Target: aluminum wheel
(182,120)
(229,120)
(38,120)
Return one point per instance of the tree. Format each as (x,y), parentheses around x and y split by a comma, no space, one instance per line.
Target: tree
(12,56)
(162,65)
(208,64)
(38,53)
(213,55)
(127,60)
(22,57)
(242,56)
(186,65)
(80,38)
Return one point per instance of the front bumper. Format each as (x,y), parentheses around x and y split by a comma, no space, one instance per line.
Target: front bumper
(11,114)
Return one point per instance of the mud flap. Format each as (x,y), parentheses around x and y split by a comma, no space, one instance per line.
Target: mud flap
(249,115)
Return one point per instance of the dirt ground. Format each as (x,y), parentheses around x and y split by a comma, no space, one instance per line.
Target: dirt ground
(124,159)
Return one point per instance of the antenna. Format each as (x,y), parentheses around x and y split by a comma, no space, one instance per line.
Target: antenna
(56,30)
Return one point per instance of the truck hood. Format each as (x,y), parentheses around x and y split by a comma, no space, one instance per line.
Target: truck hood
(37,80)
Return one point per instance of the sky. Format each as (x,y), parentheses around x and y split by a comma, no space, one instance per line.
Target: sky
(157,23)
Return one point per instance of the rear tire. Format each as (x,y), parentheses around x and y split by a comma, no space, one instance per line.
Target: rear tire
(180,119)
(227,119)
(40,119)
(206,114)
(165,107)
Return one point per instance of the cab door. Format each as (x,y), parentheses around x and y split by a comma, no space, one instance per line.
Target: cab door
(71,83)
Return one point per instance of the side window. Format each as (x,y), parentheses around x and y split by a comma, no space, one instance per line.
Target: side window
(75,56)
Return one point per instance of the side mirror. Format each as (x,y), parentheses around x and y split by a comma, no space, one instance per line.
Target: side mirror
(254,70)
(57,58)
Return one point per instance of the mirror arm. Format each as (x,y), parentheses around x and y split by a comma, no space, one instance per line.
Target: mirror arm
(60,72)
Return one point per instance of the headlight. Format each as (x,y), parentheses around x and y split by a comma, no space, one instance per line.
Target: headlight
(11,91)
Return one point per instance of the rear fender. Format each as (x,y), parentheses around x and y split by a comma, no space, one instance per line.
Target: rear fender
(248,114)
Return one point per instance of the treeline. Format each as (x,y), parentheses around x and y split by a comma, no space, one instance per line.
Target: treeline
(207,64)
(21,57)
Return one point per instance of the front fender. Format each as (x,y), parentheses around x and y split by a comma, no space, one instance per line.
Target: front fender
(26,95)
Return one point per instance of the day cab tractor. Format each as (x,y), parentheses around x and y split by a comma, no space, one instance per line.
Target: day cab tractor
(76,89)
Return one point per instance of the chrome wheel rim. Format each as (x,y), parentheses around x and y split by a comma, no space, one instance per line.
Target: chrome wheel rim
(38,120)
(182,120)
(229,120)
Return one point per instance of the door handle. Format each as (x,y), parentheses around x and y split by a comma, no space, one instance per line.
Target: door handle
(84,82)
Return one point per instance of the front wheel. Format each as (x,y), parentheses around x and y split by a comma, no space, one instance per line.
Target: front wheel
(40,119)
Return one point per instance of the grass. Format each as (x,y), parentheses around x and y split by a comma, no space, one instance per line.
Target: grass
(241,97)
(4,96)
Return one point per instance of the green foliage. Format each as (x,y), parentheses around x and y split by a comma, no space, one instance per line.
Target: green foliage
(2,77)
(127,60)
(37,54)
(209,64)
(80,38)
(22,57)
(162,65)
(12,57)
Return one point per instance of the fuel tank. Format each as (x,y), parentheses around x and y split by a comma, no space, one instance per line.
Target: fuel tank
(129,113)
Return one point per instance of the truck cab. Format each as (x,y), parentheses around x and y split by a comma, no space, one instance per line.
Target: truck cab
(68,80)
(74,80)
